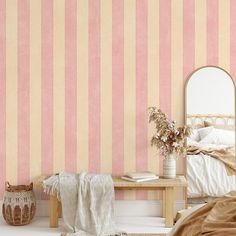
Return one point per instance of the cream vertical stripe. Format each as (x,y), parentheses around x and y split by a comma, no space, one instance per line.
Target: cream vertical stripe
(177,80)
(35,88)
(106,86)
(200,33)
(129,89)
(153,81)
(224,34)
(59,85)
(82,85)
(11,91)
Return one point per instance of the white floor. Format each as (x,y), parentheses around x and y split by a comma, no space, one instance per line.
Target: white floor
(39,227)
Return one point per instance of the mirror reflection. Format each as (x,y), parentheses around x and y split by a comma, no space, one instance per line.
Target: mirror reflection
(210,111)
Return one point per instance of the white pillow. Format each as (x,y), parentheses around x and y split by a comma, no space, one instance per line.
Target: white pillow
(195,135)
(203,132)
(220,137)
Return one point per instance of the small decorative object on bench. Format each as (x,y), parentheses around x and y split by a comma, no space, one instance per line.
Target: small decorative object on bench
(168,139)
(140,176)
(19,204)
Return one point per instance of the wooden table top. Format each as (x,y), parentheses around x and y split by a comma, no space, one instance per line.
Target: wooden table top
(179,181)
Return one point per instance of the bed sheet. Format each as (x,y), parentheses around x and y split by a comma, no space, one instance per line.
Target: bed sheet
(208,177)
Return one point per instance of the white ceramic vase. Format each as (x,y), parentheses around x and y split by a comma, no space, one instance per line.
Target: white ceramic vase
(169,167)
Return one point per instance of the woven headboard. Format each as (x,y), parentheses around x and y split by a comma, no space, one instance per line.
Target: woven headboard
(218,121)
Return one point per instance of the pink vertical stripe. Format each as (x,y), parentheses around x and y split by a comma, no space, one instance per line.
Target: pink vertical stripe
(118,89)
(94,85)
(212,32)
(165,55)
(165,60)
(2,96)
(23,92)
(141,88)
(188,37)
(188,46)
(47,86)
(70,85)
(233,39)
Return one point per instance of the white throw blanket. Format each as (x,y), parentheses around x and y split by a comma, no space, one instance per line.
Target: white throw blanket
(87,203)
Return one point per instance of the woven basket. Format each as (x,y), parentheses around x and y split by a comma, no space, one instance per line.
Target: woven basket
(19,204)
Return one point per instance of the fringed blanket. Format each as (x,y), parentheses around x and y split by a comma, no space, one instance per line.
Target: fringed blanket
(87,203)
(226,156)
(217,218)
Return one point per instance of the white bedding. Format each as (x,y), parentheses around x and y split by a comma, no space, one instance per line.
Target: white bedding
(208,177)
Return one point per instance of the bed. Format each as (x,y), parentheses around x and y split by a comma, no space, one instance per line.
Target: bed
(216,218)
(207,177)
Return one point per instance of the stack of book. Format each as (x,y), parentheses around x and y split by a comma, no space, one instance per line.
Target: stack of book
(140,176)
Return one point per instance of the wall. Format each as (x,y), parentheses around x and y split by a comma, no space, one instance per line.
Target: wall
(76,78)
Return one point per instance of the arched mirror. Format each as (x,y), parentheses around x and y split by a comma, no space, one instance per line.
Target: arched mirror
(210,111)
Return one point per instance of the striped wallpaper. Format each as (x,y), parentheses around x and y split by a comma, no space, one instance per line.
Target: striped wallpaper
(77,76)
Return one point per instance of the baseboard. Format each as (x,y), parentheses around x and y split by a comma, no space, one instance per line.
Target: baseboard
(122,207)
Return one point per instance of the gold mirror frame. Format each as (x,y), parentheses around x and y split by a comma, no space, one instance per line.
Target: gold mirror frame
(185,108)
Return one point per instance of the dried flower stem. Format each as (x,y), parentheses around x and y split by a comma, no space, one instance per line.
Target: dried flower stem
(168,139)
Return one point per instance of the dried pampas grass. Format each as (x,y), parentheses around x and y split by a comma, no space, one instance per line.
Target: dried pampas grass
(168,139)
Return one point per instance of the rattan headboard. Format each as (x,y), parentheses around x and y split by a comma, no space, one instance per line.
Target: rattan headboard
(218,121)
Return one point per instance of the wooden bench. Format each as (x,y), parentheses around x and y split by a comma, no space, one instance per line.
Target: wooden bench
(165,185)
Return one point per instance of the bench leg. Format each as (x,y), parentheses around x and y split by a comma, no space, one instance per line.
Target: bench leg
(169,206)
(54,211)
(164,203)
